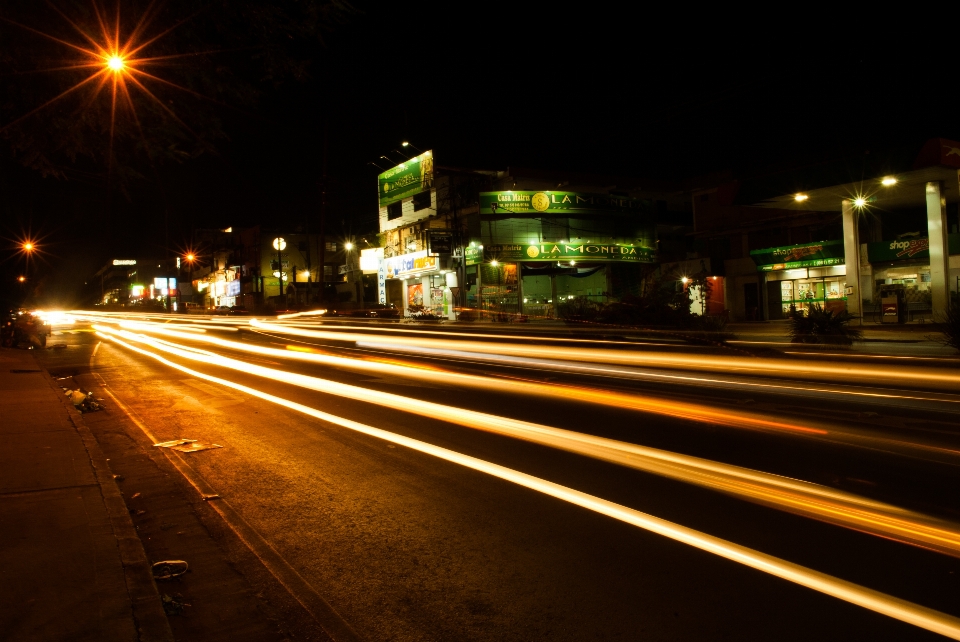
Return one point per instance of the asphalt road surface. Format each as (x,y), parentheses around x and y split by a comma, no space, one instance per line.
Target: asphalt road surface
(467,483)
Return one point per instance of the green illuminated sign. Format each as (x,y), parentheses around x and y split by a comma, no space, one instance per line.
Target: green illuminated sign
(565,203)
(472,255)
(799,256)
(406,179)
(904,249)
(571,251)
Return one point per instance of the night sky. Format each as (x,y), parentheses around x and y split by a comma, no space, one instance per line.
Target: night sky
(640,92)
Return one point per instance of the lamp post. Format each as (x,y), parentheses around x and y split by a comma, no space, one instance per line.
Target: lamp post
(190,258)
(358,285)
(280,244)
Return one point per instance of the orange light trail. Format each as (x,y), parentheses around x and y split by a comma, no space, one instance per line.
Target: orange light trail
(876,601)
(936,378)
(842,509)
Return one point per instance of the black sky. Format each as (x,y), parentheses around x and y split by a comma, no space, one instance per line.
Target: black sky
(599,87)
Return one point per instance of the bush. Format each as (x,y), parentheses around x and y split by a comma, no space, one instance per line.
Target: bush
(823,327)
(951,325)
(710,328)
(579,309)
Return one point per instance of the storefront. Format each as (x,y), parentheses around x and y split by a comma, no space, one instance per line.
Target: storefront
(799,276)
(533,279)
(538,249)
(904,264)
(425,283)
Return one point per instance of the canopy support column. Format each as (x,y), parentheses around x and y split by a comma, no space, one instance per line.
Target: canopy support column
(939,255)
(851,257)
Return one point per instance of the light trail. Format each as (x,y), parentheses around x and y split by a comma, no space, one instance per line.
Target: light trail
(860,438)
(936,378)
(803,498)
(876,601)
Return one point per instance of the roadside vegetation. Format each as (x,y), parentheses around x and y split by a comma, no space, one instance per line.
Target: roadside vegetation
(824,327)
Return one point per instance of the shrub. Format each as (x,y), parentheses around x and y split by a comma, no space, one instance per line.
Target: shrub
(824,327)
(578,309)
(951,325)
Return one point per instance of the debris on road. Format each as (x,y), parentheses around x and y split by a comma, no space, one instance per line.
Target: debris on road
(175,442)
(135,495)
(173,605)
(195,446)
(186,445)
(207,498)
(83,401)
(169,569)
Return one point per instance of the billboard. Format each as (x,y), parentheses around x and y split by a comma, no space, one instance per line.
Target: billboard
(406,179)
(559,203)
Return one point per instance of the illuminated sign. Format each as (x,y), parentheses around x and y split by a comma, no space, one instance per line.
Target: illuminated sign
(567,251)
(398,266)
(124,261)
(823,254)
(550,202)
(406,179)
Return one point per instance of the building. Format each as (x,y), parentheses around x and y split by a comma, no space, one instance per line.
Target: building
(516,242)
(842,234)
(134,283)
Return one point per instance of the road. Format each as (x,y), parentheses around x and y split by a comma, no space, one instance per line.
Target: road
(469,483)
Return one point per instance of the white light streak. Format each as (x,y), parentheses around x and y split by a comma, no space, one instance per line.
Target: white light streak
(888,605)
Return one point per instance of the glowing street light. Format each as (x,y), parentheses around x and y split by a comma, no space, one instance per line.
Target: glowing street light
(859,202)
(348,246)
(800,198)
(888,181)
(115,63)
(21,279)
(28,247)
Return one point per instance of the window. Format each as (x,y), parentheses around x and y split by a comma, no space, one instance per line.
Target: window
(327,271)
(330,246)
(394,211)
(421,201)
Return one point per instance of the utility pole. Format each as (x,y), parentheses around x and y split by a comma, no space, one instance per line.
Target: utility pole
(321,270)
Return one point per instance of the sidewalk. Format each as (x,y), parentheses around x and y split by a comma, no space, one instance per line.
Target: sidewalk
(71,562)
(914,332)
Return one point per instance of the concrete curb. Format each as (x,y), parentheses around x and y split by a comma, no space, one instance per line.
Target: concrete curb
(147,611)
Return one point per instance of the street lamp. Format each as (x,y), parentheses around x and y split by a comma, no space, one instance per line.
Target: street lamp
(280,244)
(190,257)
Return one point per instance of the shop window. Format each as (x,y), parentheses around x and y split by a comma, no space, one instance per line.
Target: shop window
(327,272)
(394,211)
(421,201)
